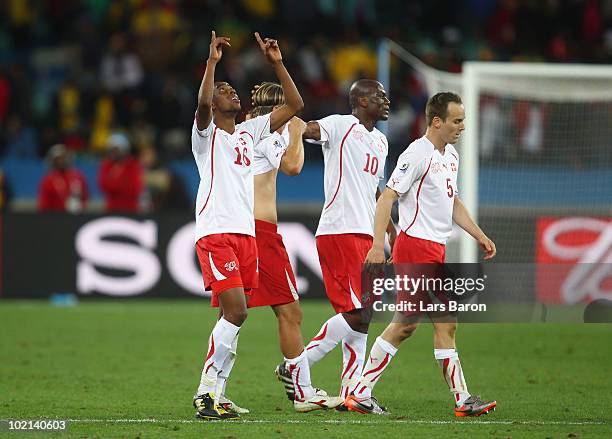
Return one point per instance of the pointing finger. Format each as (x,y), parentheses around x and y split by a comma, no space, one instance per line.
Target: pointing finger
(258,38)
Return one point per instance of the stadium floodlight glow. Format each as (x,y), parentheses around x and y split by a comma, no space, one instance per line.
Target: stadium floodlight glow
(575,89)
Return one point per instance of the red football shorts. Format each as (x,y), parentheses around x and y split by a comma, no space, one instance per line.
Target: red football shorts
(410,250)
(277,284)
(341,258)
(427,257)
(228,260)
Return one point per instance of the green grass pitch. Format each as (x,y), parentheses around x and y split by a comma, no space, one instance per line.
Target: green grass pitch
(129,369)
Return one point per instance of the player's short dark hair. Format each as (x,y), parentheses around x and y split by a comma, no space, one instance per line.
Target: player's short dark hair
(219,84)
(437,105)
(268,94)
(362,88)
(261,110)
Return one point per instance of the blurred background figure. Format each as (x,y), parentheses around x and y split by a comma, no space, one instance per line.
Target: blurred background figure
(63,188)
(163,188)
(5,192)
(120,177)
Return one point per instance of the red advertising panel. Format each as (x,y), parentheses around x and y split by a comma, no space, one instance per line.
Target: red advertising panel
(574,256)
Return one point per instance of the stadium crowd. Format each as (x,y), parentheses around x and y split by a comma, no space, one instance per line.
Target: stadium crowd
(75,72)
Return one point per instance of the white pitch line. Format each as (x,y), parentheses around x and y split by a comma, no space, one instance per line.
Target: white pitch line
(333,421)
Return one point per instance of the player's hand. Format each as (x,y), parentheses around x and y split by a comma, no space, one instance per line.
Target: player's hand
(488,247)
(297,125)
(375,256)
(374,261)
(216,47)
(269,48)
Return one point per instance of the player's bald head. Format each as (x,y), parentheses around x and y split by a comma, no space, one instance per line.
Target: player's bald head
(362,88)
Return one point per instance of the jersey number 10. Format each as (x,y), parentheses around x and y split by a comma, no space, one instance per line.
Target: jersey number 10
(371,165)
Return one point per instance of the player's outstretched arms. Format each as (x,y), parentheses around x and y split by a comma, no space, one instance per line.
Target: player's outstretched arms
(293,158)
(205,94)
(376,255)
(313,130)
(462,218)
(293,101)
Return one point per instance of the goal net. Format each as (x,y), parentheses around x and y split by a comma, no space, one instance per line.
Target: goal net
(537,146)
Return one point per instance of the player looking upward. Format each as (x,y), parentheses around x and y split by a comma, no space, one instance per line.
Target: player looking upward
(354,153)
(425,182)
(225,226)
(277,287)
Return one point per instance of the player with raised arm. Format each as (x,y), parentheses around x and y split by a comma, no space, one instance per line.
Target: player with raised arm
(225,226)
(277,288)
(425,182)
(354,153)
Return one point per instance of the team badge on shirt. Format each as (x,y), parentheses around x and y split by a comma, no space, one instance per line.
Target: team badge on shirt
(404,167)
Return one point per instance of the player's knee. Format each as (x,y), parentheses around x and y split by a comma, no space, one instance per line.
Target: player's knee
(446,330)
(236,317)
(406,330)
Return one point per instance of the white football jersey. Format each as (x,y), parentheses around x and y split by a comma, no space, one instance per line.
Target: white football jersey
(426,182)
(354,164)
(225,195)
(269,152)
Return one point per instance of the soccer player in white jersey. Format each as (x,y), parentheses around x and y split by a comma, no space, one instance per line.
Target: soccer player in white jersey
(225,226)
(354,152)
(277,287)
(425,182)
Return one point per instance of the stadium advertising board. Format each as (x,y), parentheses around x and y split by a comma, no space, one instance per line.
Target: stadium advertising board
(120,256)
(574,256)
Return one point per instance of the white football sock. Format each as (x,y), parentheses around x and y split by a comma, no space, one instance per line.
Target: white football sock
(448,359)
(354,347)
(225,371)
(380,356)
(219,347)
(330,334)
(300,375)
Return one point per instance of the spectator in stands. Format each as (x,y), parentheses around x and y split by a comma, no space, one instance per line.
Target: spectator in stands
(21,139)
(120,176)
(164,190)
(63,188)
(5,192)
(120,69)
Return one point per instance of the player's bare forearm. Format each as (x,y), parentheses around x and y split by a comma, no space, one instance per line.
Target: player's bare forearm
(293,100)
(313,130)
(391,231)
(463,219)
(293,158)
(382,217)
(205,95)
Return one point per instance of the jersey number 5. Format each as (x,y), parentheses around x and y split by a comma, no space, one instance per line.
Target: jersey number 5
(242,157)
(371,165)
(449,188)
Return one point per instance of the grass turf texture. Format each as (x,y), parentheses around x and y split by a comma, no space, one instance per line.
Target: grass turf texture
(138,363)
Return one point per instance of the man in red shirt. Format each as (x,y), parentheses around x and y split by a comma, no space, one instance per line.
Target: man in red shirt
(63,188)
(120,177)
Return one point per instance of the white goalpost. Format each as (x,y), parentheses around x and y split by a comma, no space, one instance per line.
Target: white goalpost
(543,102)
